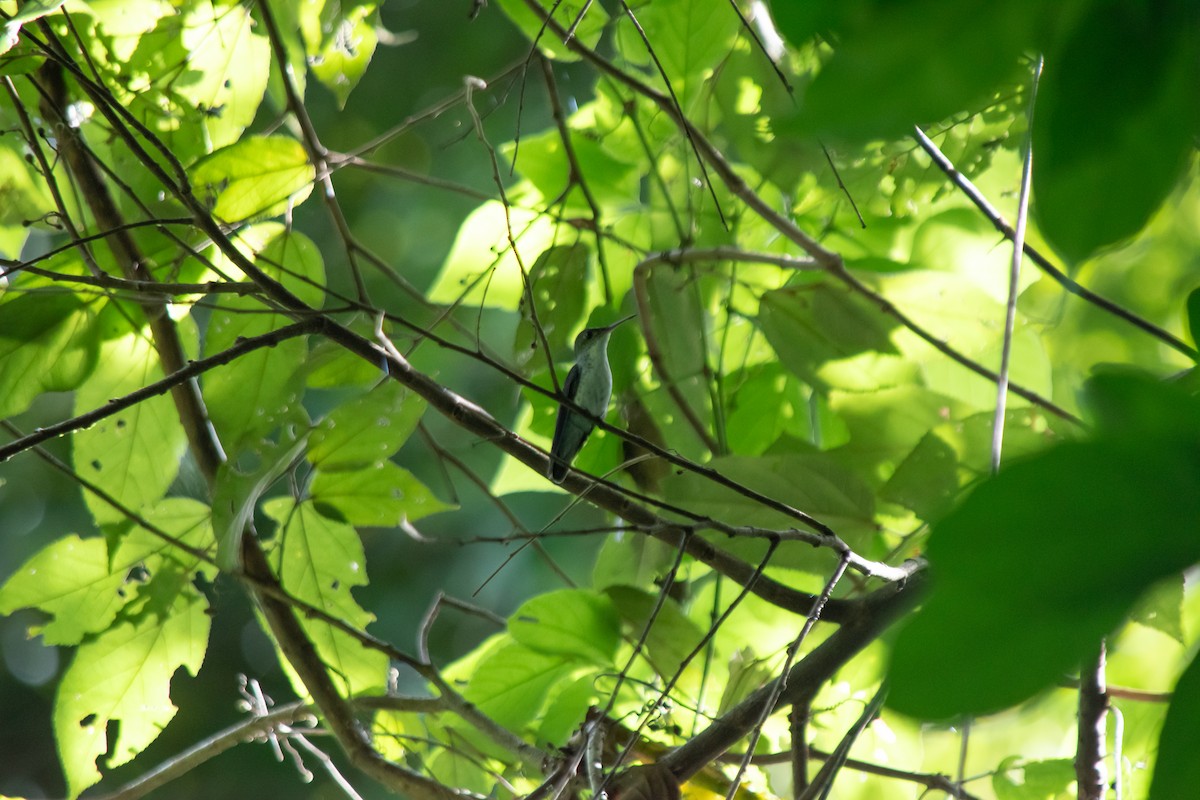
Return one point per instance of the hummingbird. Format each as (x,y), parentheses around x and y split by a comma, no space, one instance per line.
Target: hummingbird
(588,384)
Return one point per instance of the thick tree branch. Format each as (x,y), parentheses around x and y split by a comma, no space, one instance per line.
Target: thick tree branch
(880,610)
(286,628)
(188,402)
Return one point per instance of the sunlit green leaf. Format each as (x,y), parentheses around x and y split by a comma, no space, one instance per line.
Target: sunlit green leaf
(587,26)
(366,430)
(555,277)
(320,562)
(512,683)
(1017,779)
(253,394)
(814,483)
(1162,608)
(810,326)
(69,579)
(257,177)
(703,37)
(381,494)
(671,637)
(231,58)
(626,560)
(30,11)
(566,710)
(237,492)
(679,329)
(340,40)
(46,344)
(124,675)
(568,622)
(132,455)
(481,268)
(543,159)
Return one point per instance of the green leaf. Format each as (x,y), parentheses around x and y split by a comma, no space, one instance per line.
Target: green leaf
(512,683)
(1177,770)
(1067,540)
(567,710)
(1193,315)
(555,278)
(481,269)
(47,344)
(884,77)
(124,676)
(1096,128)
(543,160)
(30,11)
(135,454)
(236,495)
(23,195)
(810,326)
(82,586)
(340,40)
(746,674)
(630,561)
(1130,404)
(366,430)
(926,480)
(381,494)
(256,177)
(814,483)
(671,638)
(569,622)
(1162,609)
(690,38)
(1016,779)
(251,396)
(566,13)
(69,579)
(228,61)
(188,521)
(678,327)
(320,562)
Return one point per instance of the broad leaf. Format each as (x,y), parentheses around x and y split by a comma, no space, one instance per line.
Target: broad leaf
(569,622)
(381,494)
(257,177)
(124,676)
(366,430)
(320,562)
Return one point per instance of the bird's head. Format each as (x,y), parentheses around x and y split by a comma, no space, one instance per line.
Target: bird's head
(588,338)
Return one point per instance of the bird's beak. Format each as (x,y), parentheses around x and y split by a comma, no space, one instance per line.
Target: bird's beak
(611,328)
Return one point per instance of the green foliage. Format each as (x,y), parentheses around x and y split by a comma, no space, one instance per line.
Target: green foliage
(819,311)
(253,178)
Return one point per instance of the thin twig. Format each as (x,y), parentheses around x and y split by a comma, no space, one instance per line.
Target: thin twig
(1014,277)
(1044,263)
(192,370)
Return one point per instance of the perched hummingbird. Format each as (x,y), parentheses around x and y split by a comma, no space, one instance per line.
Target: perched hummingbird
(588,384)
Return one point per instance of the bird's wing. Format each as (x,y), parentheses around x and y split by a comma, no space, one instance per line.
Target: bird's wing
(570,431)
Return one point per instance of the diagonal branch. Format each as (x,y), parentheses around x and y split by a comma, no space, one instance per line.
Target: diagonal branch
(186,374)
(997,219)
(827,259)
(880,610)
